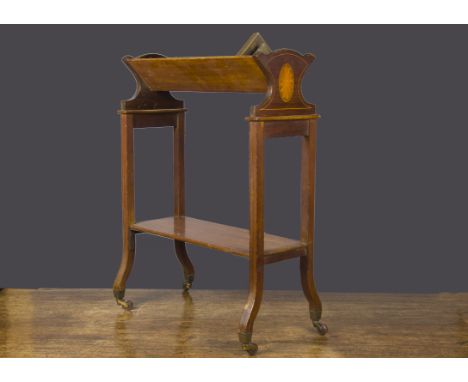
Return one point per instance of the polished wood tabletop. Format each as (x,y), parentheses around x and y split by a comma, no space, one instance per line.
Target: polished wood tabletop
(166,323)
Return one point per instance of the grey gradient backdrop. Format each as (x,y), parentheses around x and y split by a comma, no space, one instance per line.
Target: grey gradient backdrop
(392,186)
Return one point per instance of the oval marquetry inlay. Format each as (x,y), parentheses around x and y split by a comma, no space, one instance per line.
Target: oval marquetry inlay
(286,83)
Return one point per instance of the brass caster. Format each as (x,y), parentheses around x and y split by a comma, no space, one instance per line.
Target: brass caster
(126,304)
(247,344)
(119,298)
(322,329)
(250,348)
(187,298)
(187,283)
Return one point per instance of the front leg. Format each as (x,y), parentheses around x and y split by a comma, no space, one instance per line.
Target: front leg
(251,309)
(126,264)
(128,210)
(256,241)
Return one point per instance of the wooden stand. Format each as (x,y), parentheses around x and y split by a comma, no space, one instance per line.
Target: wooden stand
(284,113)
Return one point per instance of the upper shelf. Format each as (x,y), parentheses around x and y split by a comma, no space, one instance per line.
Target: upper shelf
(239,74)
(277,74)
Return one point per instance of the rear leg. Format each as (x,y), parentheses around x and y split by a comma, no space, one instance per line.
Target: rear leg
(187,266)
(310,292)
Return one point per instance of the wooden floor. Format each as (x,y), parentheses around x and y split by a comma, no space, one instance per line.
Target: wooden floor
(88,323)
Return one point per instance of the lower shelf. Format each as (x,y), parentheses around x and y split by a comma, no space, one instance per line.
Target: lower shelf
(220,237)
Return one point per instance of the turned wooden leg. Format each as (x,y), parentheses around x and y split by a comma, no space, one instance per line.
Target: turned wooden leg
(308,158)
(256,264)
(128,210)
(187,266)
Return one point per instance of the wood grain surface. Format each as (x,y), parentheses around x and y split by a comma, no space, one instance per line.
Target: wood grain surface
(214,235)
(201,74)
(88,323)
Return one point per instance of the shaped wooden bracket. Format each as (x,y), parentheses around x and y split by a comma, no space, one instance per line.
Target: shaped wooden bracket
(284,70)
(144,98)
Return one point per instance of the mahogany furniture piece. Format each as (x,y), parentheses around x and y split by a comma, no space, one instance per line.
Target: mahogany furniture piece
(283,113)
